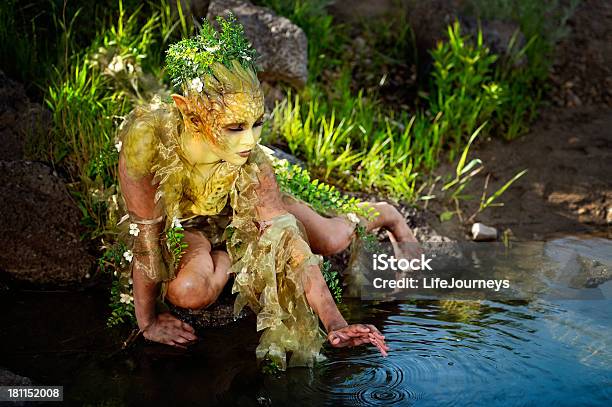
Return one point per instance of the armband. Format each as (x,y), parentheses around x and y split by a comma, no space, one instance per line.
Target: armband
(147,248)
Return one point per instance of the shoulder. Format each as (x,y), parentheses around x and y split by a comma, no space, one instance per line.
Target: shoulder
(142,133)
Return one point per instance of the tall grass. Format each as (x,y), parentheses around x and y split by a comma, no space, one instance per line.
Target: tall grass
(90,93)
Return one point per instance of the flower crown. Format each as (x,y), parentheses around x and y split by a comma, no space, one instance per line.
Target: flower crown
(192,58)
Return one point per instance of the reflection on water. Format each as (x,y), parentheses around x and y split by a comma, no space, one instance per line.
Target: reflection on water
(536,352)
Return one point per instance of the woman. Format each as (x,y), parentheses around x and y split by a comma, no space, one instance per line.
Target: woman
(195,163)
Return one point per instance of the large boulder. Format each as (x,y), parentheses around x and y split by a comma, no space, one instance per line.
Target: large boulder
(282,46)
(19,119)
(39,227)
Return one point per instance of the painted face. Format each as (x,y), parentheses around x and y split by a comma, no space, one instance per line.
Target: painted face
(223,130)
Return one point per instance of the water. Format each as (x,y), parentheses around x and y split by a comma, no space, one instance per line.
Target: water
(537,352)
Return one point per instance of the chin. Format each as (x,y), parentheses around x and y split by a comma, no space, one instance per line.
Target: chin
(238,160)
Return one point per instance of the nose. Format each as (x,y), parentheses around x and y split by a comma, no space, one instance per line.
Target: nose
(249,138)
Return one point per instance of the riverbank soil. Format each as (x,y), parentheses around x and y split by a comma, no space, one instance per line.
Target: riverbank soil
(568,187)
(568,151)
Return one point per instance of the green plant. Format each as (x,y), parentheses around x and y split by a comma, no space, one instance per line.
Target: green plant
(464,174)
(115,261)
(322,197)
(193,57)
(176,242)
(465,92)
(332,280)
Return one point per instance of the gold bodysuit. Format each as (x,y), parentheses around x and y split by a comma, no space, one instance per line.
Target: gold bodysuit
(267,262)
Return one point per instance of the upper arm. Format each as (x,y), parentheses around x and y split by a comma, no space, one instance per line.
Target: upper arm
(135,160)
(270,199)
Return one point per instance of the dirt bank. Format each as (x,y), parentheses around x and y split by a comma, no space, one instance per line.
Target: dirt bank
(568,187)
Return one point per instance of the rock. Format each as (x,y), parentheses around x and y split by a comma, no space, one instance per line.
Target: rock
(19,119)
(483,233)
(282,46)
(8,378)
(39,227)
(272,95)
(282,155)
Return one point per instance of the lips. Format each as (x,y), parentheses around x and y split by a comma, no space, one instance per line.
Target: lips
(244,153)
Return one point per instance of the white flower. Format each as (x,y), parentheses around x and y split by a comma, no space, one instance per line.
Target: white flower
(128,255)
(212,49)
(134,229)
(118,146)
(196,85)
(352,217)
(176,223)
(130,281)
(116,64)
(248,58)
(125,298)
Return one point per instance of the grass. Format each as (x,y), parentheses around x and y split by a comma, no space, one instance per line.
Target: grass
(354,140)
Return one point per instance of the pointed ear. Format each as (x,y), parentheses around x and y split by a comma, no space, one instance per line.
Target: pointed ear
(181,103)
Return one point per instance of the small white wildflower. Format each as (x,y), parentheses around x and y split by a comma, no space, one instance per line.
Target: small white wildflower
(176,223)
(116,64)
(125,298)
(196,85)
(118,146)
(352,217)
(128,255)
(134,229)
(248,58)
(212,49)
(130,281)
(115,273)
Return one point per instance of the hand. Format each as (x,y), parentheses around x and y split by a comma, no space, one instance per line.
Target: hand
(357,334)
(169,330)
(405,245)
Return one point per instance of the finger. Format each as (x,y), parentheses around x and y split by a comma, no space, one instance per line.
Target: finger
(336,341)
(356,333)
(179,339)
(396,249)
(188,327)
(342,335)
(380,341)
(375,331)
(178,345)
(380,348)
(358,328)
(188,335)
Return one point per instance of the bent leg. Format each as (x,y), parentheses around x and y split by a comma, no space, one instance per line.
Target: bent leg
(201,274)
(326,236)
(329,236)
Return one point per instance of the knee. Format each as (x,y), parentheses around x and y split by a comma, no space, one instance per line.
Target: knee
(337,237)
(192,288)
(190,293)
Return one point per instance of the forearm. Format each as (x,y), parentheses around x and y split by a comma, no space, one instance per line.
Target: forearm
(145,293)
(320,299)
